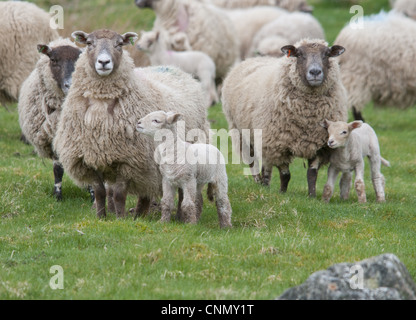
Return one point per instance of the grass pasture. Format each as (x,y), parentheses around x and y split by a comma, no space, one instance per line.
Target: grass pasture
(277,240)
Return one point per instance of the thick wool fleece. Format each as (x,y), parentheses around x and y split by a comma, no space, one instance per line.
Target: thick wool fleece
(23,26)
(97,135)
(40,103)
(268,94)
(376,64)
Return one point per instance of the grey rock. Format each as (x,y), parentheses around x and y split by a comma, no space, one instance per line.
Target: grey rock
(379,278)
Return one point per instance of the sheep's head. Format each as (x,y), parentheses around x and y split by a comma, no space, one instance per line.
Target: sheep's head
(156,121)
(147,40)
(62,61)
(313,61)
(339,132)
(104,48)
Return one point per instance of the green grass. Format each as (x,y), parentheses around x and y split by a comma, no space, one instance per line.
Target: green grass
(277,240)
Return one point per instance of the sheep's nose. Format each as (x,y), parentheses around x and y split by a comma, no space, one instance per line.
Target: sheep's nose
(315,72)
(104,62)
(330,142)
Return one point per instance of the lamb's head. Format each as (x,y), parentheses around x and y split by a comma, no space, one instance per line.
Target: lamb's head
(156,121)
(313,60)
(104,48)
(148,41)
(62,61)
(339,132)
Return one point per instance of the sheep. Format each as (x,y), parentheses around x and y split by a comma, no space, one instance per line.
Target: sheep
(23,25)
(381,72)
(405,7)
(186,166)
(41,99)
(197,63)
(290,5)
(208,29)
(96,140)
(350,143)
(288,28)
(287,98)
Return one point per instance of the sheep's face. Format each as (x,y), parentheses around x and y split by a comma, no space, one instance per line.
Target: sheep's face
(62,64)
(339,132)
(104,48)
(313,61)
(147,41)
(145,3)
(156,121)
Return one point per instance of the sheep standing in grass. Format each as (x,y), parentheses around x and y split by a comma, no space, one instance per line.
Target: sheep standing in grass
(381,71)
(96,140)
(208,29)
(196,63)
(23,25)
(351,142)
(287,98)
(189,167)
(41,99)
(288,28)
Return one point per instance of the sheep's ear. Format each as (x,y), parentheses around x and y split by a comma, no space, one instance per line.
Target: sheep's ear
(129,38)
(44,49)
(80,36)
(335,51)
(172,117)
(157,35)
(355,125)
(325,124)
(290,51)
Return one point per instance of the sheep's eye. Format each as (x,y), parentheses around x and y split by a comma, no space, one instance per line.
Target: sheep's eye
(89,43)
(156,121)
(344,132)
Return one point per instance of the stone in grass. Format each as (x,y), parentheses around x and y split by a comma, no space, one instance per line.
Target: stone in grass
(379,278)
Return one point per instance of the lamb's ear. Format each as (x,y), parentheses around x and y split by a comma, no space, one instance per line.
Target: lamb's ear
(172,117)
(290,51)
(129,38)
(44,49)
(335,51)
(355,125)
(80,36)
(325,124)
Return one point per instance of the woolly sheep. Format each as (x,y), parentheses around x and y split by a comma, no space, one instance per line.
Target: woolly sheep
(187,166)
(290,5)
(42,96)
(289,28)
(350,143)
(208,29)
(96,140)
(376,64)
(197,63)
(23,25)
(405,7)
(287,98)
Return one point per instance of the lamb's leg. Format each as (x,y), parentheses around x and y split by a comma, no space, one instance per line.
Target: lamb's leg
(345,185)
(357,114)
(120,196)
(100,197)
(110,199)
(266,173)
(168,201)
(377,178)
(199,201)
(58,172)
(312,176)
(255,167)
(359,182)
(188,206)
(142,208)
(330,183)
(179,210)
(223,204)
(284,177)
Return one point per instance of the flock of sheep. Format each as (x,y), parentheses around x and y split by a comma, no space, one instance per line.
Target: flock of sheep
(95,113)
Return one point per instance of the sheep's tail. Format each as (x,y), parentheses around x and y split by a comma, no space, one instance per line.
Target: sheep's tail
(384,162)
(210,192)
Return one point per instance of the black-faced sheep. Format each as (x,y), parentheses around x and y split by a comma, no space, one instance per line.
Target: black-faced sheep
(287,98)
(41,99)
(96,140)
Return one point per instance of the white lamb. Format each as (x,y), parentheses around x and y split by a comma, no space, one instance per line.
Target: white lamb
(186,166)
(351,142)
(197,63)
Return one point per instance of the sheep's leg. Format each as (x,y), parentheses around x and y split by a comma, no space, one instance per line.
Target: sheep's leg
(357,114)
(91,192)
(223,204)
(199,201)
(284,177)
(120,196)
(168,201)
(100,197)
(110,199)
(345,185)
(58,172)
(266,174)
(330,183)
(312,176)
(255,167)
(377,178)
(179,210)
(142,208)
(188,206)
(359,182)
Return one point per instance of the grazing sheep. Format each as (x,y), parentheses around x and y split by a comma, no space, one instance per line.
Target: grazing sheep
(351,142)
(23,25)
(197,63)
(96,140)
(288,28)
(405,7)
(207,27)
(186,166)
(41,99)
(381,72)
(287,98)
(290,5)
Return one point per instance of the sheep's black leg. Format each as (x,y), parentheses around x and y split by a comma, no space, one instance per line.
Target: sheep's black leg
(100,197)
(180,199)
(284,178)
(357,114)
(142,208)
(120,196)
(58,173)
(313,166)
